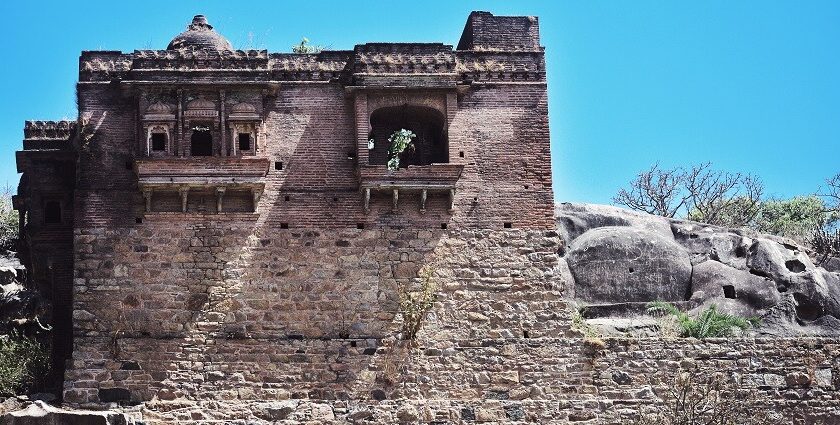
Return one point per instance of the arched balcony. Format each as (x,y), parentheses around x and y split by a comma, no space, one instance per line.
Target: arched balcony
(428,147)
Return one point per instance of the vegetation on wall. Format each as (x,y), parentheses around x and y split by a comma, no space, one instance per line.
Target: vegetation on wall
(591,335)
(305,48)
(24,363)
(710,323)
(414,304)
(400,141)
(696,397)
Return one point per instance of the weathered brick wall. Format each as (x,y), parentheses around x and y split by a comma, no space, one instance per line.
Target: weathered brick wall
(484,31)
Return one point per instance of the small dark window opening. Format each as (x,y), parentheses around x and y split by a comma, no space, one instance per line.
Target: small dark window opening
(729,291)
(525,334)
(508,225)
(286,198)
(244,141)
(158,141)
(278,165)
(201,143)
(284,225)
(443,226)
(138,220)
(461,154)
(52,212)
(360,225)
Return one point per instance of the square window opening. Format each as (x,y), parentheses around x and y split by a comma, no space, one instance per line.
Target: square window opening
(284,225)
(508,225)
(244,141)
(158,142)
(278,165)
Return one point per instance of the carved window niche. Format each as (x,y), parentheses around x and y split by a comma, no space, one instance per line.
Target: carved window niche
(201,118)
(158,122)
(158,137)
(244,123)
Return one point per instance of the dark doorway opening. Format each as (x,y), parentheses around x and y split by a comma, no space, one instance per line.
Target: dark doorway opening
(201,143)
(52,212)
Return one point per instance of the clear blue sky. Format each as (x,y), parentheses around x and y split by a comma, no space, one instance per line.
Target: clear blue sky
(751,86)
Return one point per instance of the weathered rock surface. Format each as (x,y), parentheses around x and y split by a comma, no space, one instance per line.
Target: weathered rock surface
(618,257)
(629,264)
(40,413)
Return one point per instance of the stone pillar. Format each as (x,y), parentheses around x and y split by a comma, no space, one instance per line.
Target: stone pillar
(179,125)
(362,128)
(220,194)
(147,196)
(225,150)
(184,192)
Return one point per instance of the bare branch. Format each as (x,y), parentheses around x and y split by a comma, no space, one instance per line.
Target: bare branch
(655,191)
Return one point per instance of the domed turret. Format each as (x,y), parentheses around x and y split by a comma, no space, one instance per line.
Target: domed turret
(199,35)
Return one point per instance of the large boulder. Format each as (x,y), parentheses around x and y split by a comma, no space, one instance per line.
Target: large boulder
(574,220)
(628,264)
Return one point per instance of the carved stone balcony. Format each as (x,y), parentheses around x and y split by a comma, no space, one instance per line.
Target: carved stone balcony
(218,174)
(420,178)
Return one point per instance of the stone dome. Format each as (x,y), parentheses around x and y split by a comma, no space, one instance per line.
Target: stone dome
(199,35)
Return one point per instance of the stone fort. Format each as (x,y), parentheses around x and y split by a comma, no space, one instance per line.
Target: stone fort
(222,240)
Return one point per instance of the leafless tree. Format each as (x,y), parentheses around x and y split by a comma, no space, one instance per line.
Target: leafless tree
(699,193)
(832,193)
(722,198)
(696,397)
(655,191)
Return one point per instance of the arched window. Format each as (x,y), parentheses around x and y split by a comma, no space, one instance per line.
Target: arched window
(201,142)
(430,145)
(52,212)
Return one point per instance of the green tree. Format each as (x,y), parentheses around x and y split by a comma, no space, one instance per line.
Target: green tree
(796,218)
(8,221)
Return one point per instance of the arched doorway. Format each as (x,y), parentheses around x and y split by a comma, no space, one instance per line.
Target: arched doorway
(201,142)
(430,145)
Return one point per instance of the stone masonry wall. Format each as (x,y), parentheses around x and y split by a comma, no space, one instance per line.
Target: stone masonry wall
(251,324)
(233,282)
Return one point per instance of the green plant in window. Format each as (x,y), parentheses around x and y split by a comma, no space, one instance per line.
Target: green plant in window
(399,142)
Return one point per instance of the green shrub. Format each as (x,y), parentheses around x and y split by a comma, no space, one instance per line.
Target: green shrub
(8,221)
(305,48)
(24,363)
(708,324)
(399,141)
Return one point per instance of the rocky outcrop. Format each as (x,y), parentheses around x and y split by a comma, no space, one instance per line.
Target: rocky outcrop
(619,257)
(40,413)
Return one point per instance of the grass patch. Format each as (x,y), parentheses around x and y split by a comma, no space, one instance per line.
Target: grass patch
(710,323)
